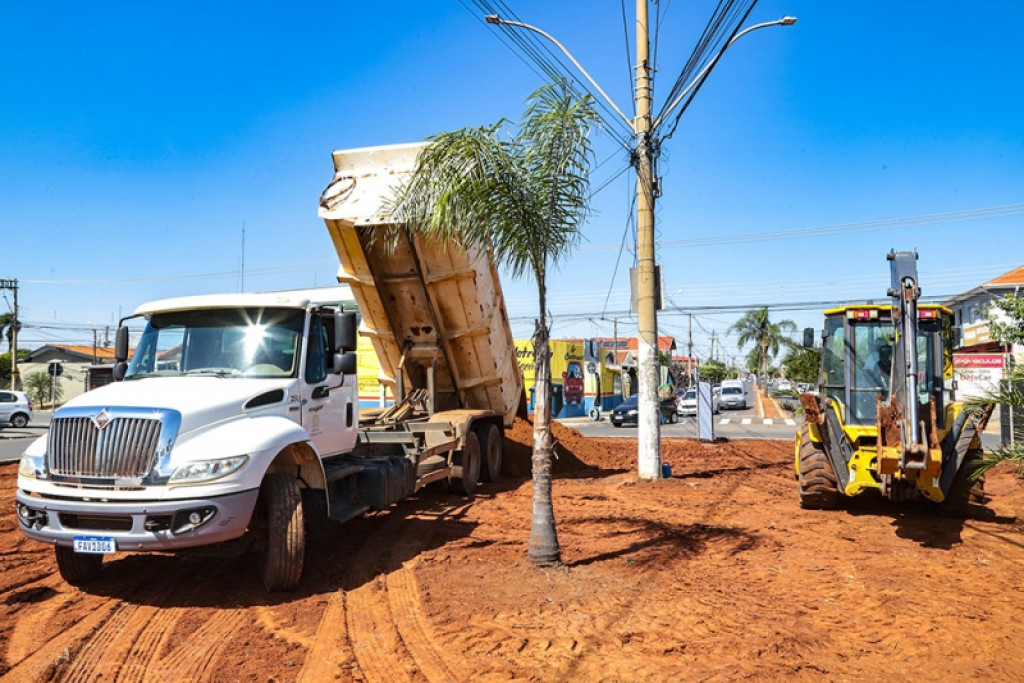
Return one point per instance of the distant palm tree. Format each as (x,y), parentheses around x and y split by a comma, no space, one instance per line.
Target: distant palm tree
(37,385)
(524,197)
(756,327)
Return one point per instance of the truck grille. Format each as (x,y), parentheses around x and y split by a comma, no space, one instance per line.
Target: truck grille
(104,444)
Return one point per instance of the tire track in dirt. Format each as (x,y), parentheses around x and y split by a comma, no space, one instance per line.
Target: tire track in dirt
(330,651)
(380,624)
(126,644)
(405,601)
(375,641)
(189,662)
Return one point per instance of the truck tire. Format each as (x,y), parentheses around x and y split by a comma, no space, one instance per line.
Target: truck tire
(77,568)
(466,472)
(817,479)
(491,443)
(965,491)
(283,530)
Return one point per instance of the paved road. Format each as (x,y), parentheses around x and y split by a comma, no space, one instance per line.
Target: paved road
(14,441)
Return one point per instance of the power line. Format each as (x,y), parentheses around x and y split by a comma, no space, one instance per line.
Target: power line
(922,220)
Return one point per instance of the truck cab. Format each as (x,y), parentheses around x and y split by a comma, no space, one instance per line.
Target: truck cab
(221,392)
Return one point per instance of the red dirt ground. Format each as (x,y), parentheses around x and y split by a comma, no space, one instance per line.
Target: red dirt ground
(713,574)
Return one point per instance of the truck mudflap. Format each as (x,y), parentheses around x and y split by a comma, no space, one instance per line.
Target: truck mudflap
(143,526)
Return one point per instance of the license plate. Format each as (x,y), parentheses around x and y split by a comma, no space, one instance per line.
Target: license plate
(94,545)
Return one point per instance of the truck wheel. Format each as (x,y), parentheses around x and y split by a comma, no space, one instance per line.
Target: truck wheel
(492,447)
(817,479)
(965,491)
(284,536)
(77,568)
(466,472)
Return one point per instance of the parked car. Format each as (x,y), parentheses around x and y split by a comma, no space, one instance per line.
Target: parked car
(687,403)
(784,385)
(15,408)
(626,414)
(733,397)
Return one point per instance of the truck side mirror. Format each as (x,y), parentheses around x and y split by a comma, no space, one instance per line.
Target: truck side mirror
(345,363)
(808,337)
(120,354)
(121,344)
(345,332)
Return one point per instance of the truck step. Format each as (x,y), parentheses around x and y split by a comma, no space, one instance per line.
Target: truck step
(346,510)
(430,464)
(338,471)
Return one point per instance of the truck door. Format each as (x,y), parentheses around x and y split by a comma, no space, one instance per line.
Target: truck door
(328,401)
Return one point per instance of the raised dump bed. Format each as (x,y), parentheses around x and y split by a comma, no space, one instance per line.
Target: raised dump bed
(434,311)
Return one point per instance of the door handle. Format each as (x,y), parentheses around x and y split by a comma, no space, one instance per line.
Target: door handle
(322,391)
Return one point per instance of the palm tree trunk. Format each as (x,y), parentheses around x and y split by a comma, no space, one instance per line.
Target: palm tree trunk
(544,548)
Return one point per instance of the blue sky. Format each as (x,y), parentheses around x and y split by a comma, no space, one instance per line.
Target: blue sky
(137,139)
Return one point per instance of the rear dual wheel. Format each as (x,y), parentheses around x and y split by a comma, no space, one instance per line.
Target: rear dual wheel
(466,471)
(492,446)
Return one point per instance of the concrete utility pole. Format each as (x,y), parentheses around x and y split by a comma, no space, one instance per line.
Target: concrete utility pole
(649,419)
(644,128)
(15,376)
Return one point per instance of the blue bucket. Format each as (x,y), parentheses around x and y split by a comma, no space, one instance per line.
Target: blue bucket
(666,470)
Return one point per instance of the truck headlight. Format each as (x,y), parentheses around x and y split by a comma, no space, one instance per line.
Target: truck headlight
(207,470)
(30,467)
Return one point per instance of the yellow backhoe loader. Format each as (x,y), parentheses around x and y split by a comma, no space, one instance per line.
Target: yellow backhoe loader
(884,418)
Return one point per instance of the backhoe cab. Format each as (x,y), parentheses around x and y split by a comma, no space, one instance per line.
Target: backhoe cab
(885,418)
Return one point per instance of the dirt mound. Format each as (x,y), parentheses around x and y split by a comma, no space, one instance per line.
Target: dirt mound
(575,455)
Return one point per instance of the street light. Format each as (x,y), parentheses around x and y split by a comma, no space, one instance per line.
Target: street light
(498,21)
(648,422)
(784,21)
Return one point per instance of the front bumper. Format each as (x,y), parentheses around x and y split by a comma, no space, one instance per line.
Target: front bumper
(146,525)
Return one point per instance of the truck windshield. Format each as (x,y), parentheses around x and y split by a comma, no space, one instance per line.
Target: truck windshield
(228,342)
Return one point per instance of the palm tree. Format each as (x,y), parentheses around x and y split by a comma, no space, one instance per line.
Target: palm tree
(524,197)
(1009,393)
(756,327)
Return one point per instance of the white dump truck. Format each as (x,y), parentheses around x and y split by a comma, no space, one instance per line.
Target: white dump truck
(237,415)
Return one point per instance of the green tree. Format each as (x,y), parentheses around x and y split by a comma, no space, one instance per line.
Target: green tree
(802,364)
(524,197)
(755,327)
(713,371)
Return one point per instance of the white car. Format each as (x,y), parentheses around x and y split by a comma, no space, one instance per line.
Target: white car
(687,403)
(15,408)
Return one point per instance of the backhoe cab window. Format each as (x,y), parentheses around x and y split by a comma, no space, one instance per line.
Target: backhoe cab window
(247,342)
(872,348)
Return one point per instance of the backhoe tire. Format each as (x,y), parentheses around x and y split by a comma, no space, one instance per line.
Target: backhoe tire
(466,471)
(77,568)
(283,530)
(817,479)
(965,491)
(492,445)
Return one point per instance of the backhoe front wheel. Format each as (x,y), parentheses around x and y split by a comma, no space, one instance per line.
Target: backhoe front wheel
(819,489)
(965,491)
(281,529)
